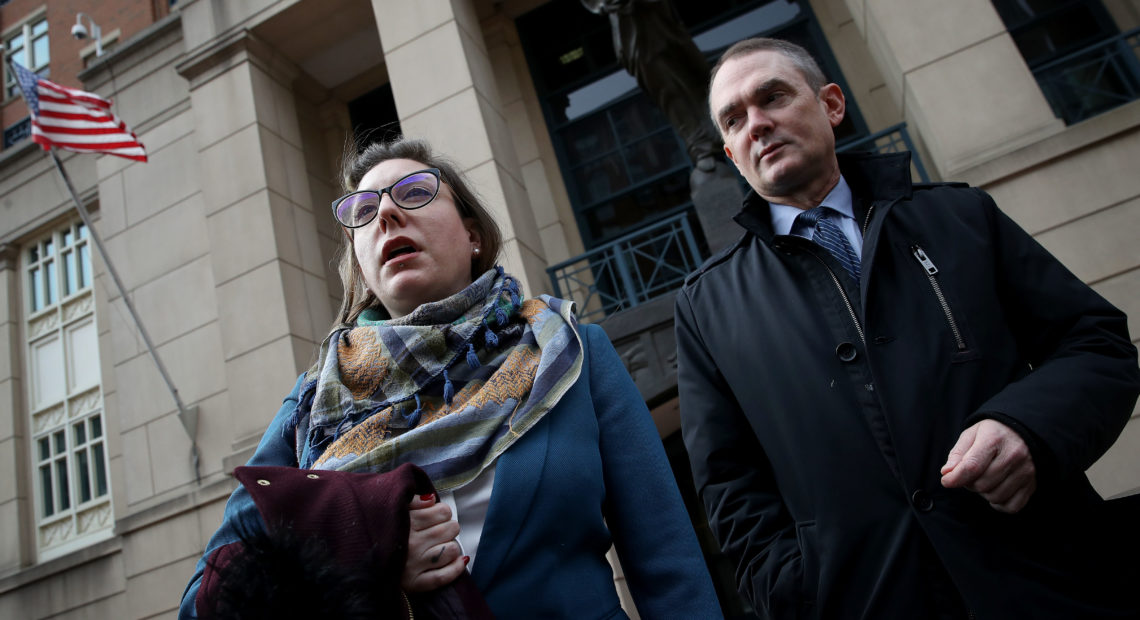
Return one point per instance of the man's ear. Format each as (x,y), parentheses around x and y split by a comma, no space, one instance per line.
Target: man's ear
(833,102)
(728,153)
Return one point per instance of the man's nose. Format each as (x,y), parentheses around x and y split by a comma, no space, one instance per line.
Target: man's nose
(759,122)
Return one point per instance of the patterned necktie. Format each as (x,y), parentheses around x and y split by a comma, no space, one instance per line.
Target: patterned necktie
(828,236)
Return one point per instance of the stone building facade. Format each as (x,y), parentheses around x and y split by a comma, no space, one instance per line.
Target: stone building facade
(224,241)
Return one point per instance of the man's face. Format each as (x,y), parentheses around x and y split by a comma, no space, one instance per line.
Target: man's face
(776,130)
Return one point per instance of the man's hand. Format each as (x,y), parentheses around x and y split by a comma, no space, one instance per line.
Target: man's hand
(993,461)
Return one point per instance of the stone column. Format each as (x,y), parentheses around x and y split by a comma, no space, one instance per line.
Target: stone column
(445,91)
(13,438)
(273,306)
(957,76)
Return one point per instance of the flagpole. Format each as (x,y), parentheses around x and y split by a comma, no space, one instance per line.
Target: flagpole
(189,417)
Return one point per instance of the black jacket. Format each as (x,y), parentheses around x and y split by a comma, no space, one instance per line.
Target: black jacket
(817,413)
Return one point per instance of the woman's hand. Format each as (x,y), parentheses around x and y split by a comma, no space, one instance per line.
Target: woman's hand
(434,557)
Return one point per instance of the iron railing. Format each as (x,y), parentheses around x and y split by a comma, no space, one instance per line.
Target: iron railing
(655,259)
(894,139)
(1093,80)
(629,270)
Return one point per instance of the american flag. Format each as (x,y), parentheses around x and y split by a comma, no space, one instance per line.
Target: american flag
(75,120)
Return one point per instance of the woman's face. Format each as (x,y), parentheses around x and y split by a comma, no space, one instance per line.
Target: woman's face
(409,258)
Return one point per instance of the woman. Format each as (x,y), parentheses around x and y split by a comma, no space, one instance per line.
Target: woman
(528,425)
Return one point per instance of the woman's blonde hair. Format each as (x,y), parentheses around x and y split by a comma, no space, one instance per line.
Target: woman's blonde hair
(356,164)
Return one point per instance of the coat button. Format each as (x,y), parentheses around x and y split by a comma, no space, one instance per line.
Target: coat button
(846,352)
(263,482)
(921,501)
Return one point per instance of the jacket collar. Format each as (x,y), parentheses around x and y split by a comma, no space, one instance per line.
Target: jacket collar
(873,178)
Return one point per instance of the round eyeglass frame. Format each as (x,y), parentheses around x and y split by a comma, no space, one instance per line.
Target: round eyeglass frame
(388,190)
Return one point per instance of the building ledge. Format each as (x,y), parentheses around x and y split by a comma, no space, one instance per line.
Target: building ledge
(1101,127)
(30,574)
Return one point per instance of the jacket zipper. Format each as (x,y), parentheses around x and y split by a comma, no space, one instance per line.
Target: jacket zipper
(931,271)
(843,294)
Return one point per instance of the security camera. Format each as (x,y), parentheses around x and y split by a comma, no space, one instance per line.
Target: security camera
(79,31)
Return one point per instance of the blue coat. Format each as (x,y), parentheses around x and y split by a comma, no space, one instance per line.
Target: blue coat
(592,472)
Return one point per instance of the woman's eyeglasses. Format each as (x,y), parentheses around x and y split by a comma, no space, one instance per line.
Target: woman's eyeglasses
(410,192)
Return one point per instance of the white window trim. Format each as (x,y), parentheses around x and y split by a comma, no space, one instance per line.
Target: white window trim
(82,523)
(24,27)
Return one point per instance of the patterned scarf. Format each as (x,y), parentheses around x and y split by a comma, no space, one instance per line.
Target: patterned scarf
(448,387)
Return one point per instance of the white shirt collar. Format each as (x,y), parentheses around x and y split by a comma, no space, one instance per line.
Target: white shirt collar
(839,198)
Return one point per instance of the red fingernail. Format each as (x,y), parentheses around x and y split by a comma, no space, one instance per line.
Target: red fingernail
(427,497)
(466,560)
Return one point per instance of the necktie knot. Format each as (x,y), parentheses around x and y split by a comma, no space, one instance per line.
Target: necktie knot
(828,235)
(809,217)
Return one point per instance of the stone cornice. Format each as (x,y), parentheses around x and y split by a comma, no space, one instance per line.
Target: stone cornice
(229,51)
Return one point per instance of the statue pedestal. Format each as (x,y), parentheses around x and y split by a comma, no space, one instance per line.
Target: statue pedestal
(717,196)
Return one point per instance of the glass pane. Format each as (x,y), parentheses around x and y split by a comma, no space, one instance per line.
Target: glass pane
(60,442)
(61,480)
(638,117)
(600,179)
(45,449)
(82,355)
(82,474)
(1057,35)
(588,138)
(100,470)
(81,229)
(655,155)
(49,247)
(36,288)
(65,237)
(39,27)
(14,43)
(34,253)
(84,266)
(19,57)
(637,208)
(96,427)
(50,285)
(80,434)
(46,495)
(47,372)
(40,52)
(70,283)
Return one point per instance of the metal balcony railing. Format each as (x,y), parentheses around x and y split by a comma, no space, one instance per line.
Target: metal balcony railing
(1093,80)
(655,259)
(629,270)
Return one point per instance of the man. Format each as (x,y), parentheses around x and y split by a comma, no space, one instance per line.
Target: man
(889,404)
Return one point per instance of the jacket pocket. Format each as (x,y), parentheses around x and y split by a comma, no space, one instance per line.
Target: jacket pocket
(962,342)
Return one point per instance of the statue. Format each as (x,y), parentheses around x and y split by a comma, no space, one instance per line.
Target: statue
(653,45)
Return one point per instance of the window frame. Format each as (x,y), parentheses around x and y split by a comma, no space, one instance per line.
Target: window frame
(25,30)
(69,452)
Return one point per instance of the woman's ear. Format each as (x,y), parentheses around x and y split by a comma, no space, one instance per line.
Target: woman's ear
(473,234)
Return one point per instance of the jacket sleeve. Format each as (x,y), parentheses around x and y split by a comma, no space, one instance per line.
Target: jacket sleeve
(1085,380)
(241,514)
(735,481)
(654,537)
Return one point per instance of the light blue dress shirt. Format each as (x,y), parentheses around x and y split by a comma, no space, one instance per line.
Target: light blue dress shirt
(839,198)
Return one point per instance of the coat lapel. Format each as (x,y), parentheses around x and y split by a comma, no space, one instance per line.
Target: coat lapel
(517,475)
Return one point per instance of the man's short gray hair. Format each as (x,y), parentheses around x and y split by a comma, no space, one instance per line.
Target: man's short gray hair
(799,56)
